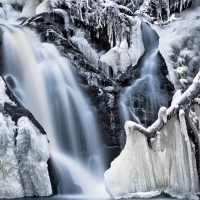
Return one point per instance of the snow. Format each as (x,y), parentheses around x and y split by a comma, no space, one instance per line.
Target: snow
(8,12)
(162,115)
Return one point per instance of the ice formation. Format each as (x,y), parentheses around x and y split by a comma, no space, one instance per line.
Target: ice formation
(82,44)
(32,151)
(170,163)
(45,6)
(24,153)
(120,57)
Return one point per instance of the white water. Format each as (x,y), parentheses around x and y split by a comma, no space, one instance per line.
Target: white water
(144,91)
(45,84)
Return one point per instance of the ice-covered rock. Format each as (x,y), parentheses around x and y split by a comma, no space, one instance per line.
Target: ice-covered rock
(3,96)
(24,152)
(45,6)
(136,41)
(179,46)
(29,8)
(32,151)
(10,180)
(82,44)
(8,12)
(120,57)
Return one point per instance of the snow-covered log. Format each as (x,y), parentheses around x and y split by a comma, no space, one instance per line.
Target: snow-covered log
(170,164)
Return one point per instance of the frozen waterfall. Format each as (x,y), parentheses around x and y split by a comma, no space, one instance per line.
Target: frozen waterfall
(143,98)
(169,162)
(45,83)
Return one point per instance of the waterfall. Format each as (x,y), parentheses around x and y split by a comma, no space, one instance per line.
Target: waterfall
(141,101)
(46,84)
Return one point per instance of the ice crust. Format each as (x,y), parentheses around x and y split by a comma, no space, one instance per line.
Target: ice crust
(24,152)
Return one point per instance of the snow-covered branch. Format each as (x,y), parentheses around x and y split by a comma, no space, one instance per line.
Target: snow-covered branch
(184,102)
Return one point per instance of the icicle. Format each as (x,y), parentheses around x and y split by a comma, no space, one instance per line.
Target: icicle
(197,112)
(184,132)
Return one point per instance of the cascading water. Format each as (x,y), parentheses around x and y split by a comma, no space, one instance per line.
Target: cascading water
(141,101)
(45,84)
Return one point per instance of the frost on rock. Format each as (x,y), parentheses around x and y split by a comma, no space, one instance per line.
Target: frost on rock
(169,162)
(120,57)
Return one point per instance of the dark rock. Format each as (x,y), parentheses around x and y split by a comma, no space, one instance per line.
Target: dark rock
(57,178)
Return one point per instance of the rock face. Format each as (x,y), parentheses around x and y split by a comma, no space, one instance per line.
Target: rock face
(24,150)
